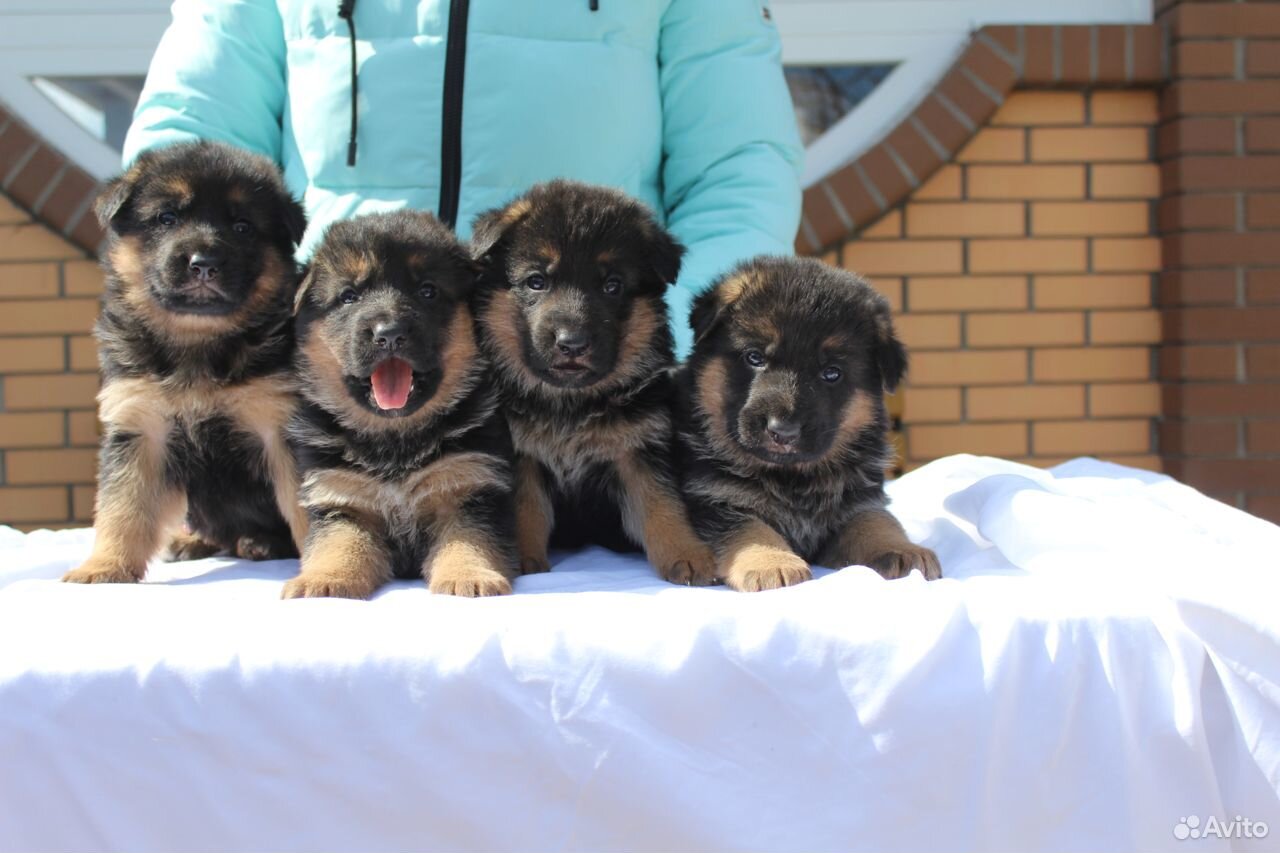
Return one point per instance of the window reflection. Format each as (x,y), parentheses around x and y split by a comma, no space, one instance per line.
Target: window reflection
(824,94)
(103,106)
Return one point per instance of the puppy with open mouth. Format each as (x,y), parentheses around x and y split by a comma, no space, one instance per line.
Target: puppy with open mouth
(573,318)
(783,427)
(195,343)
(405,461)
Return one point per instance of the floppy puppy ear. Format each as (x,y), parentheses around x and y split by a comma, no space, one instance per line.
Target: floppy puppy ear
(712,306)
(470,267)
(706,314)
(889,353)
(300,295)
(491,226)
(665,253)
(113,198)
(295,220)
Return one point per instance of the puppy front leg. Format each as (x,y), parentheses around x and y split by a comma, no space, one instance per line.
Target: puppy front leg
(263,409)
(468,557)
(137,506)
(875,538)
(286,482)
(755,557)
(654,514)
(533,517)
(343,557)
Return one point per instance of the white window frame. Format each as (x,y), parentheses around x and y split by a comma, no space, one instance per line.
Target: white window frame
(73,38)
(922,37)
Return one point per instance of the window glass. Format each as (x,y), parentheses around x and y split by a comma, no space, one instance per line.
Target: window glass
(103,106)
(824,94)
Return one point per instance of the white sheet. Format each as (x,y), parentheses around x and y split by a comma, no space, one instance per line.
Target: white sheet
(1102,661)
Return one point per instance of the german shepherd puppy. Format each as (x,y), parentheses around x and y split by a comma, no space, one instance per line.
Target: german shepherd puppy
(405,461)
(783,425)
(572,317)
(195,344)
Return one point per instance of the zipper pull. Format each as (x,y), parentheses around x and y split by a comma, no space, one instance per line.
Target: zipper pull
(594,5)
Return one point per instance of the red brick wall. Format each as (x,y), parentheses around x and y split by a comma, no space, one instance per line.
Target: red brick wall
(1219,216)
(1021,276)
(48,375)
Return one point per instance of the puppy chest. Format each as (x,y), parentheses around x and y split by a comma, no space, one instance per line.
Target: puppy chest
(803,513)
(571,456)
(805,534)
(214,456)
(810,520)
(408,506)
(161,410)
(578,450)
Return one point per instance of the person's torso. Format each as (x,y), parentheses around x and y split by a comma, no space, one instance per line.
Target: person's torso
(549,88)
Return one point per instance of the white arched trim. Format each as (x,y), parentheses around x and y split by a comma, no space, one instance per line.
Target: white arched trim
(73,38)
(923,37)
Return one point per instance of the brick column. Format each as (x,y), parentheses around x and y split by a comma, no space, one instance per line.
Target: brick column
(1218,145)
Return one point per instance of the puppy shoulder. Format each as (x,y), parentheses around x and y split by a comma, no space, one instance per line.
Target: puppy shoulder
(488,433)
(315,437)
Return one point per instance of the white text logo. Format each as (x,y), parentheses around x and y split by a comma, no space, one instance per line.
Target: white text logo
(1241,827)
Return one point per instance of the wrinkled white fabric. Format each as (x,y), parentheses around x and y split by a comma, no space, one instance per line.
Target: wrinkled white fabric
(1101,661)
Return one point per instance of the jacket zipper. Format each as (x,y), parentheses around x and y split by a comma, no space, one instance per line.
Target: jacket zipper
(347,12)
(455,64)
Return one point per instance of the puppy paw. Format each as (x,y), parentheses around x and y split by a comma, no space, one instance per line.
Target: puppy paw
(468,582)
(696,566)
(189,546)
(533,564)
(770,570)
(329,585)
(899,562)
(101,571)
(250,547)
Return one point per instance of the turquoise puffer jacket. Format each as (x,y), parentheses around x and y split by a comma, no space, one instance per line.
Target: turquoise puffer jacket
(462,105)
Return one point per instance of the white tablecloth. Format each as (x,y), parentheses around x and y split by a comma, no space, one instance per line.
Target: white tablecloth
(1101,662)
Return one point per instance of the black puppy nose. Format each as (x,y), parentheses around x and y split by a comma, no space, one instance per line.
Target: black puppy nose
(204,265)
(572,343)
(388,336)
(783,432)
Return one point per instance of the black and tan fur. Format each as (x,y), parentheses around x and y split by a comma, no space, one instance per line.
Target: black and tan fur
(422,490)
(783,426)
(572,317)
(195,345)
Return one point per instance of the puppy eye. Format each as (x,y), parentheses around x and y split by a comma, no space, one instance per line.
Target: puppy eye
(167,218)
(348,296)
(754,357)
(427,291)
(831,373)
(242,226)
(537,281)
(613,285)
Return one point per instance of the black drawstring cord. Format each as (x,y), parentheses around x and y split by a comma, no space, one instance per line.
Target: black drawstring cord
(346,10)
(595,5)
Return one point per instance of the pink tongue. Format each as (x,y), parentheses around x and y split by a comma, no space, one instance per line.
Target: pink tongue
(392,381)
